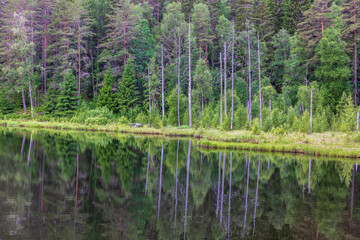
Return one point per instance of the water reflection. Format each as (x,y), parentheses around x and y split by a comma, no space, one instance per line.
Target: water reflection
(100,186)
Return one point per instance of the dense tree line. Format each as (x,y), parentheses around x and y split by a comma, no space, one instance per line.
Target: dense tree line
(200,63)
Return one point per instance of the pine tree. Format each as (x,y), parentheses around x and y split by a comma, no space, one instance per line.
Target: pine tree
(351,10)
(316,21)
(68,99)
(201,21)
(128,94)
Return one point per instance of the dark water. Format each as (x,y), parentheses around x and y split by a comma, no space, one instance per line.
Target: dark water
(57,185)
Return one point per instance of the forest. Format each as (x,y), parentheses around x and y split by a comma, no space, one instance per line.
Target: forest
(227,64)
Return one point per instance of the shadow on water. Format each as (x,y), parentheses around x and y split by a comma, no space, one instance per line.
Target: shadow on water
(77,185)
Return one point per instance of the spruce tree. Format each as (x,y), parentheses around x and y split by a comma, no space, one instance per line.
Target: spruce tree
(68,99)
(106,95)
(128,94)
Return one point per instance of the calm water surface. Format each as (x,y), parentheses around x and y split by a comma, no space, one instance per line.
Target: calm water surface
(61,185)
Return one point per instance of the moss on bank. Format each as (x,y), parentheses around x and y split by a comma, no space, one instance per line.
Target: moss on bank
(336,145)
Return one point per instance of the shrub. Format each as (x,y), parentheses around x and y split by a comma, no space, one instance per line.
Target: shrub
(255,126)
(99,116)
(304,125)
(123,121)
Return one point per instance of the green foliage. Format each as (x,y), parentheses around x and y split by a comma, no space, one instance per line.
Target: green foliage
(347,114)
(172,101)
(97,116)
(128,94)
(68,100)
(304,125)
(255,126)
(107,98)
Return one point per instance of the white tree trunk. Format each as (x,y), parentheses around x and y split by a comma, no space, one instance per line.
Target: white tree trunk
(259,64)
(232,79)
(178,92)
(225,80)
(162,82)
(190,119)
(221,91)
(249,72)
(149,83)
(311,111)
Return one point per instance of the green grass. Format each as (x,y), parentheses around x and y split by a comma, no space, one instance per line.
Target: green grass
(331,144)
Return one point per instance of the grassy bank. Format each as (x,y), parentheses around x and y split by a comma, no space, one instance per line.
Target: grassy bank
(336,145)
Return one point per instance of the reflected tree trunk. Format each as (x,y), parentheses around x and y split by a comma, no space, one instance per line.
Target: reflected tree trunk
(42,187)
(218,188)
(29,153)
(247,190)
(176,181)
(256,194)
(187,187)
(77,181)
(352,200)
(160,181)
(222,189)
(22,147)
(229,207)
(309,187)
(147,170)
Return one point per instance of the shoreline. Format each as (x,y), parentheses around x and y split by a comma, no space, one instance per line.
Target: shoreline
(330,144)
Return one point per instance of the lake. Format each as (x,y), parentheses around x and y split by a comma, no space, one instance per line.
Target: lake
(82,185)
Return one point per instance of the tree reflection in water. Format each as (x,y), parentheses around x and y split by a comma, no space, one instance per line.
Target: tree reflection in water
(51,181)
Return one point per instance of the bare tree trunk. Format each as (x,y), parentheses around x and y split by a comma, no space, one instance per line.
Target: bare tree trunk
(311,111)
(225,80)
(259,64)
(149,84)
(221,91)
(162,82)
(270,105)
(79,61)
(160,181)
(178,92)
(45,41)
(355,60)
(31,99)
(190,119)
(187,187)
(23,99)
(232,79)
(249,72)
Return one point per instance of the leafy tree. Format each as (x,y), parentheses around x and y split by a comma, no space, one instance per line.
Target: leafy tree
(333,69)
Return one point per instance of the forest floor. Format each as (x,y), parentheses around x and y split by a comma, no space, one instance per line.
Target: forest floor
(329,144)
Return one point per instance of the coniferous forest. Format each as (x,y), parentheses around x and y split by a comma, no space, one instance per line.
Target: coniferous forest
(236,64)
